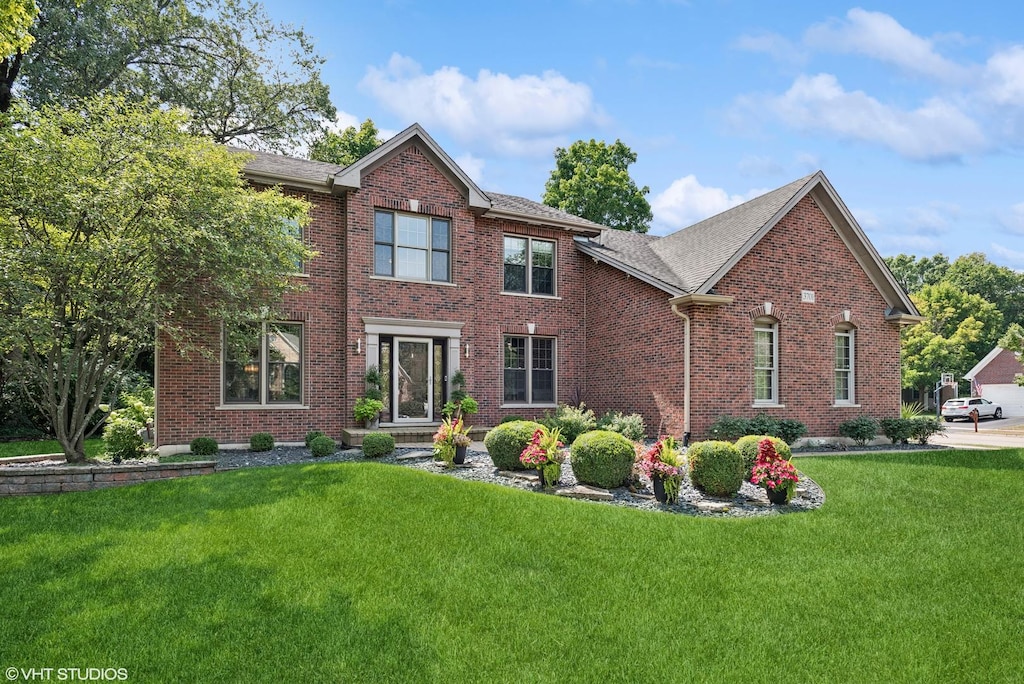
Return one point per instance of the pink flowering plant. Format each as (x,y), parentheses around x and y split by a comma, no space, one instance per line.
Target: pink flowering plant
(663,461)
(544,452)
(772,471)
(450,434)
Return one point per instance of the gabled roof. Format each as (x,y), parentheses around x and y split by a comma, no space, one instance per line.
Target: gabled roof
(1005,370)
(694,259)
(522,209)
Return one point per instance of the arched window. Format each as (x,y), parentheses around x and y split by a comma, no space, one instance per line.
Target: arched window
(845,336)
(766,361)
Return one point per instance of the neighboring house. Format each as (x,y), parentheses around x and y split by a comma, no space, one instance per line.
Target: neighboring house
(779,305)
(995,377)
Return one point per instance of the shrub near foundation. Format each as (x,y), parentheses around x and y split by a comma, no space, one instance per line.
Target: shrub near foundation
(203,446)
(261,441)
(602,458)
(716,468)
(322,446)
(748,450)
(506,442)
(377,444)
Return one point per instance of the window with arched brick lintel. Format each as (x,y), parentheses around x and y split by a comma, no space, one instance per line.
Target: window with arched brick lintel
(845,337)
(766,360)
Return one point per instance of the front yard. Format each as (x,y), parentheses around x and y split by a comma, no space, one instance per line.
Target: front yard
(364,572)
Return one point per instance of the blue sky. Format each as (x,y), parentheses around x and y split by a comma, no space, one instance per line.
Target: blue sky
(915,111)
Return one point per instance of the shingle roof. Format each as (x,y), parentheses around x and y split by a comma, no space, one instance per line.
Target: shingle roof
(521,205)
(686,259)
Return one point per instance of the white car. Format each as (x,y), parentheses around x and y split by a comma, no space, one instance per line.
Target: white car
(961,408)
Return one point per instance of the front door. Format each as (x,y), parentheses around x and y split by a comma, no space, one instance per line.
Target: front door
(413,380)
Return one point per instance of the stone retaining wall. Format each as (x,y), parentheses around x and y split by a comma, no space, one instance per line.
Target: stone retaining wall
(21,481)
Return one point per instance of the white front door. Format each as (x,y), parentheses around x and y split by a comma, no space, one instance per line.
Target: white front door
(413,380)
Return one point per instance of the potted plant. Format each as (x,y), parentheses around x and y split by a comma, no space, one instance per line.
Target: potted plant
(460,404)
(369,406)
(451,441)
(544,452)
(777,475)
(661,463)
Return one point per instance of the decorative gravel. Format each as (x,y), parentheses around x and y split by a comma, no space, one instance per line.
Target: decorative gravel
(750,501)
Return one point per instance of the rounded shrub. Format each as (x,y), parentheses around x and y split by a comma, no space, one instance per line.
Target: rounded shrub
(602,458)
(510,419)
(322,446)
(311,435)
(377,444)
(861,429)
(748,450)
(716,468)
(506,441)
(203,446)
(121,438)
(261,441)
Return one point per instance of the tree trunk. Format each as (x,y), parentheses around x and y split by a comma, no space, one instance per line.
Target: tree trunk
(9,68)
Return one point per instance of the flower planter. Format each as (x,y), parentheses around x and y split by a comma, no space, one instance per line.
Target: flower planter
(777,496)
(659,489)
(460,455)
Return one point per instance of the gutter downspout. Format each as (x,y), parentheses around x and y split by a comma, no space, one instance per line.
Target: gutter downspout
(686,372)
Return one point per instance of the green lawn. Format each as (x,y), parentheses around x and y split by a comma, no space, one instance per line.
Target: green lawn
(93,447)
(912,571)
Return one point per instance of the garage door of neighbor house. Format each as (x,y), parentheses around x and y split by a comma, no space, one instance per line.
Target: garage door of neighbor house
(1010,397)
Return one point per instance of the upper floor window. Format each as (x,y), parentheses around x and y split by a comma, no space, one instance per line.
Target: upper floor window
(844,348)
(412,247)
(263,364)
(292,228)
(529,266)
(766,361)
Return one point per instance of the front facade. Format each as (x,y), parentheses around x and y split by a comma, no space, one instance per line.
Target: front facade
(422,274)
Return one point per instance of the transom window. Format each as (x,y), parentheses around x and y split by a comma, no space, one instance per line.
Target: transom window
(844,366)
(766,357)
(263,364)
(529,266)
(412,247)
(529,370)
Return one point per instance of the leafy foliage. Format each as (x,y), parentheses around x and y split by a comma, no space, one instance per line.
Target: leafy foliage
(1014,341)
(898,430)
(322,446)
(716,467)
(571,421)
(348,147)
(913,273)
(861,429)
(731,428)
(204,446)
(602,458)
(748,447)
(243,78)
(922,429)
(505,443)
(377,444)
(591,180)
(631,427)
(16,17)
(261,441)
(116,221)
(121,438)
(311,435)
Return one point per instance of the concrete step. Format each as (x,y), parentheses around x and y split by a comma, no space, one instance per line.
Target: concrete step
(405,434)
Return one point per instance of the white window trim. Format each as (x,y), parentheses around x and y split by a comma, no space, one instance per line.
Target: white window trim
(529,372)
(529,267)
(850,334)
(263,404)
(429,248)
(773,328)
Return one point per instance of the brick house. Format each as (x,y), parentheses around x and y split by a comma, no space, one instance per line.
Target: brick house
(994,377)
(422,273)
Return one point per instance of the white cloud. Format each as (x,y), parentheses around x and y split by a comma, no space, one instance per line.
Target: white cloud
(473,166)
(1013,220)
(686,202)
(935,131)
(927,220)
(778,47)
(879,36)
(868,220)
(1004,77)
(524,115)
(342,121)
(1010,257)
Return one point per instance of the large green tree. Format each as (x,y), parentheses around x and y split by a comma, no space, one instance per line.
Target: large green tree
(347,147)
(16,17)
(243,78)
(591,179)
(913,273)
(116,223)
(1000,285)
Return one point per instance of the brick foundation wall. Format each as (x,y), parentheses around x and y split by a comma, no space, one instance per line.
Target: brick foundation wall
(24,481)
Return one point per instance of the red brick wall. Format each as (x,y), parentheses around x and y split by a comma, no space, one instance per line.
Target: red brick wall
(188,389)
(636,343)
(1000,370)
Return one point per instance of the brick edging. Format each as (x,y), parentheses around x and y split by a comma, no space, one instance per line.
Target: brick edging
(25,481)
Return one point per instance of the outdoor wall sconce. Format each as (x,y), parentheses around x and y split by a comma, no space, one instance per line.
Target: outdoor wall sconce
(467,350)
(359,345)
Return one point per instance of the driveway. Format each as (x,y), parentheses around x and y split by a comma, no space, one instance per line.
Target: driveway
(991,434)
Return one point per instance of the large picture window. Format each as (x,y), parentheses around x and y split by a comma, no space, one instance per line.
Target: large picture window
(263,364)
(766,366)
(529,370)
(844,366)
(412,247)
(529,266)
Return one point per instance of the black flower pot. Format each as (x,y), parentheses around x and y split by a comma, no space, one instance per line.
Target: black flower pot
(659,489)
(460,455)
(777,496)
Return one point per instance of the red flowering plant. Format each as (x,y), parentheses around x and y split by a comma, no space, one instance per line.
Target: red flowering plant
(662,462)
(450,434)
(772,471)
(544,452)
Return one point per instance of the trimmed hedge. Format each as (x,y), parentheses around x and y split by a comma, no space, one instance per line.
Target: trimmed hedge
(506,441)
(203,446)
(602,458)
(716,468)
(747,447)
(261,441)
(311,435)
(377,444)
(322,446)
(861,429)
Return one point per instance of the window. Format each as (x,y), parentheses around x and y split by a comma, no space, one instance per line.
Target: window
(411,247)
(844,366)
(529,370)
(766,356)
(263,364)
(529,266)
(293,229)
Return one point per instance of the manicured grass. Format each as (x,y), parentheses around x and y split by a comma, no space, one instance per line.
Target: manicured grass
(912,571)
(93,447)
